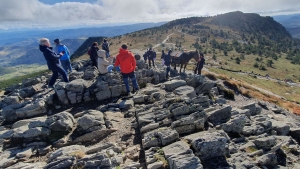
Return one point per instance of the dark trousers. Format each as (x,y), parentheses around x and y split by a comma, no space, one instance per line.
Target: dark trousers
(55,72)
(198,68)
(94,62)
(151,60)
(133,80)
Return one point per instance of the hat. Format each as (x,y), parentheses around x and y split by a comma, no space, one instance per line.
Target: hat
(124,46)
(56,40)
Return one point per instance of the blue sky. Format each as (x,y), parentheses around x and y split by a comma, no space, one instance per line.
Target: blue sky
(26,14)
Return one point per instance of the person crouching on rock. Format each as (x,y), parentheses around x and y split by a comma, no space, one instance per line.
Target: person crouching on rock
(104,65)
(167,60)
(53,61)
(127,64)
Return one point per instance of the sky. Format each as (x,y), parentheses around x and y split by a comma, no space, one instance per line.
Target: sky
(47,14)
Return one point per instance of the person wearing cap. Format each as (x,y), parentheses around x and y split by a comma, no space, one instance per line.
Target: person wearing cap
(105,47)
(53,61)
(127,64)
(104,65)
(167,60)
(65,59)
(200,65)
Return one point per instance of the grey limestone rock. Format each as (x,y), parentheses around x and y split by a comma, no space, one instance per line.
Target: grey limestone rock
(187,91)
(172,85)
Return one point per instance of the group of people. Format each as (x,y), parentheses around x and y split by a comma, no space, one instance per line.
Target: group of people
(150,55)
(58,61)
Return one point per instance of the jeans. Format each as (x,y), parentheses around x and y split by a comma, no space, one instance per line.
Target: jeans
(94,62)
(55,72)
(107,55)
(109,68)
(198,69)
(133,80)
(66,64)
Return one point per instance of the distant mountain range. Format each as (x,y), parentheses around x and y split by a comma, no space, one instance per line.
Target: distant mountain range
(21,47)
(291,23)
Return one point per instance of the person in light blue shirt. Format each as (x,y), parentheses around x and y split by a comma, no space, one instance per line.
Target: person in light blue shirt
(65,59)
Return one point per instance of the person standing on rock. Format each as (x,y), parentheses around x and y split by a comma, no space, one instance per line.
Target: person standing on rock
(127,63)
(93,54)
(105,47)
(150,55)
(162,57)
(65,59)
(145,56)
(53,61)
(167,60)
(200,64)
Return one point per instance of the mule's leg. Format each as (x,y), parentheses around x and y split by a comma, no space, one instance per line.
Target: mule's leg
(180,68)
(184,67)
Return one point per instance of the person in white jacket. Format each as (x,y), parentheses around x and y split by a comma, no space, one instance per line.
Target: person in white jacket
(104,65)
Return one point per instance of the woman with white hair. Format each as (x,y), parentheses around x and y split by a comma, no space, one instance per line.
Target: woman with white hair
(53,61)
(104,65)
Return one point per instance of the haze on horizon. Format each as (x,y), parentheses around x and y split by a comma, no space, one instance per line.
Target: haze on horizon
(27,14)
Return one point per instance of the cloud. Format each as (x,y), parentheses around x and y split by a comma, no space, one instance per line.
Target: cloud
(33,13)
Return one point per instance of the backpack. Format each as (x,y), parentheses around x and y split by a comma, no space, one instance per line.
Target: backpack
(89,51)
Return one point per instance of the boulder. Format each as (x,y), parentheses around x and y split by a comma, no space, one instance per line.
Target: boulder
(195,80)
(281,128)
(235,125)
(295,133)
(90,121)
(161,136)
(172,85)
(265,142)
(61,122)
(206,86)
(35,108)
(187,91)
(208,145)
(221,115)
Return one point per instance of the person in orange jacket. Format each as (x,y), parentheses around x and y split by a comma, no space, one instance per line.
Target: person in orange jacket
(127,63)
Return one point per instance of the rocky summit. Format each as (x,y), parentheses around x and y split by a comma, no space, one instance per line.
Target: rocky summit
(184,122)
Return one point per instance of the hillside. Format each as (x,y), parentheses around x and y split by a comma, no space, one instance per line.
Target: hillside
(235,41)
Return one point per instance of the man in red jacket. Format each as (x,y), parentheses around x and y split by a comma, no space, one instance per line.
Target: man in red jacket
(127,64)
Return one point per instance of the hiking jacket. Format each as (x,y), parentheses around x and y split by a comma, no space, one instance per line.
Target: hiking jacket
(59,48)
(103,63)
(167,58)
(105,46)
(150,54)
(126,61)
(94,54)
(51,57)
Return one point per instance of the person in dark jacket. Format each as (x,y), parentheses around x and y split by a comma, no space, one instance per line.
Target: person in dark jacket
(150,55)
(53,61)
(167,60)
(200,64)
(162,57)
(145,56)
(94,55)
(105,47)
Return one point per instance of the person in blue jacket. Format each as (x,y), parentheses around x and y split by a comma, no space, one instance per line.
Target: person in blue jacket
(53,61)
(167,60)
(65,59)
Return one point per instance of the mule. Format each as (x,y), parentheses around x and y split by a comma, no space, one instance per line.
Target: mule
(184,59)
